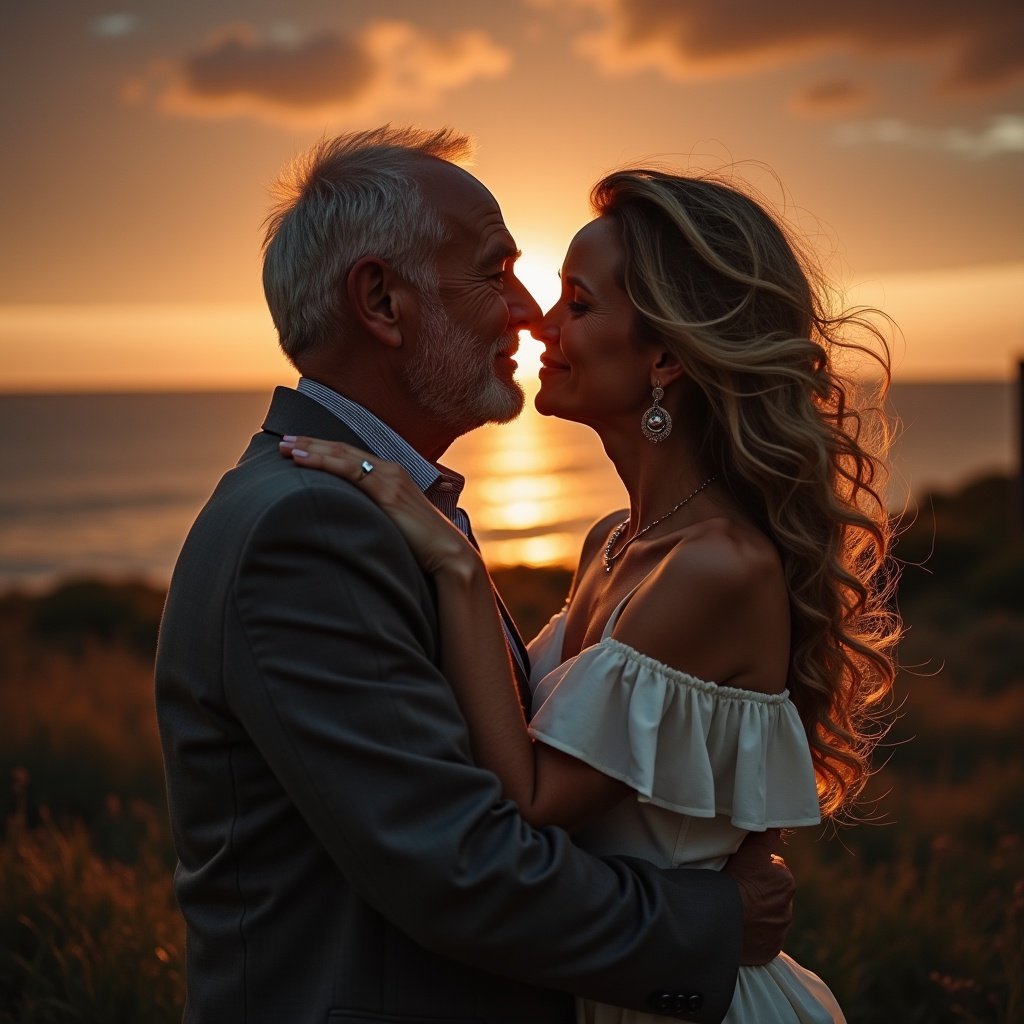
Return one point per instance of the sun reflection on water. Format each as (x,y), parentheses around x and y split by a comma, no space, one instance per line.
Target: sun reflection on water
(534,486)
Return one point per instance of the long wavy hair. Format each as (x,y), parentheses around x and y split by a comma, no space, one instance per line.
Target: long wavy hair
(798,442)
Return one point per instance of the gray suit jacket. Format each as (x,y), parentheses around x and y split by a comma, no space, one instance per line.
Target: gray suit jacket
(341,858)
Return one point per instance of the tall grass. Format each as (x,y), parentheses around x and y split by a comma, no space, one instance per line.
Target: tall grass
(918,914)
(85,937)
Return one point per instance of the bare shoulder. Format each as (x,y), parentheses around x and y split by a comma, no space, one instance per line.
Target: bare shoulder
(726,560)
(717,607)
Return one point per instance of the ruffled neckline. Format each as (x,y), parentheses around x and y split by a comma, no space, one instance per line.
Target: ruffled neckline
(683,743)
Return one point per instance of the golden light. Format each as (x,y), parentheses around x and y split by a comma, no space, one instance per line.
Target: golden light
(519,515)
(143,347)
(532,486)
(550,549)
(537,268)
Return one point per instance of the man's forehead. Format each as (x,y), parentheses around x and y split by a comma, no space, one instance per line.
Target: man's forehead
(464,202)
(448,186)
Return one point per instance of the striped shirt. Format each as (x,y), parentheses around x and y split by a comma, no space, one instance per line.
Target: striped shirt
(442,487)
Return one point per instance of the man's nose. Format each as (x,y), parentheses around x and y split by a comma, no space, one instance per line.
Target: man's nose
(524,313)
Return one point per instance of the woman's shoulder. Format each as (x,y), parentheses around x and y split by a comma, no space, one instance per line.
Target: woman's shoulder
(597,535)
(717,606)
(722,556)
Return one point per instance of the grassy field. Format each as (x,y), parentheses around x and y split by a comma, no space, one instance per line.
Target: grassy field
(914,914)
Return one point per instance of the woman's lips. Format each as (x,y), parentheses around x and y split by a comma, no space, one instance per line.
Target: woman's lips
(547,363)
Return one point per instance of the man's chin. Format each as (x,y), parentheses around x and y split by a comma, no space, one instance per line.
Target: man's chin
(499,420)
(516,400)
(501,400)
(495,411)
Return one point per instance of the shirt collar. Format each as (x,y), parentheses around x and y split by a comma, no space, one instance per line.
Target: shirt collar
(441,485)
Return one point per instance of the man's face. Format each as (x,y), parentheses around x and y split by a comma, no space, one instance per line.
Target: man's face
(462,371)
(457,379)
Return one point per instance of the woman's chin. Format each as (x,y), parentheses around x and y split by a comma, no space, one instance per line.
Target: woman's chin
(548,405)
(543,403)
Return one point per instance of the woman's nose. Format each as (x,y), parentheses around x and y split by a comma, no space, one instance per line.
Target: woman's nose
(547,328)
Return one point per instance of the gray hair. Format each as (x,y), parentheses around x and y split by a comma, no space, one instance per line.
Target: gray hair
(348,197)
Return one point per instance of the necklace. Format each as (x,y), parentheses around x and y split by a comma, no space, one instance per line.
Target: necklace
(607,557)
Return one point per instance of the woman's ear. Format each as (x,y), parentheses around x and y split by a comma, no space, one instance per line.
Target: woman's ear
(666,368)
(376,300)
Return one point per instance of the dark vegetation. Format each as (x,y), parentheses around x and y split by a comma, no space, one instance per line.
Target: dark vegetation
(915,914)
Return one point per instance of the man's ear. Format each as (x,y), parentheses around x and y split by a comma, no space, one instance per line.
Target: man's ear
(376,299)
(666,368)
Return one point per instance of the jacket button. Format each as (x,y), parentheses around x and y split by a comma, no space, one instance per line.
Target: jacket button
(665,1002)
(676,1003)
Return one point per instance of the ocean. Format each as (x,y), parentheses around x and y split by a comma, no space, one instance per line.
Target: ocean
(108,484)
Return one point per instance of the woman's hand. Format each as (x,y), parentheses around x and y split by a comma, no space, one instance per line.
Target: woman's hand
(438,545)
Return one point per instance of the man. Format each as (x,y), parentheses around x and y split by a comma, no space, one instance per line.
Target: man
(340,856)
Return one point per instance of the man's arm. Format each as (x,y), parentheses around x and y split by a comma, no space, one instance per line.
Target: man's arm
(333,674)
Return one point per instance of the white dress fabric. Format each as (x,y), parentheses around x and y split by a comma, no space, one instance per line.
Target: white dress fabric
(709,764)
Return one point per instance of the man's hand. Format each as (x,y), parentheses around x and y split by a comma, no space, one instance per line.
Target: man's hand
(766,889)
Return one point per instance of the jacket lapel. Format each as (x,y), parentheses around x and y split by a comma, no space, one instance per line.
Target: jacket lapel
(291,412)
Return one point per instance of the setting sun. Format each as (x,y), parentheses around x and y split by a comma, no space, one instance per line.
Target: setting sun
(537,268)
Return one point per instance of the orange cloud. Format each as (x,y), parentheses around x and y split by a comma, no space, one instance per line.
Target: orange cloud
(981,44)
(388,64)
(832,96)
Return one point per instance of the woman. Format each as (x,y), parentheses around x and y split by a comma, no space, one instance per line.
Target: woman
(723,642)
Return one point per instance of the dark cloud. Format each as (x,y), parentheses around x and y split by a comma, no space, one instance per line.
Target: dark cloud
(386,66)
(981,44)
(322,69)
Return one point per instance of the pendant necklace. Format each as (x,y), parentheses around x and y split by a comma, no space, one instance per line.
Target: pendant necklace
(607,557)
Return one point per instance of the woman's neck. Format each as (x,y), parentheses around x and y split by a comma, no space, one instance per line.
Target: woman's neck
(656,476)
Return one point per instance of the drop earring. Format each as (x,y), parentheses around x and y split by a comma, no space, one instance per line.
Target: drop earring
(656,422)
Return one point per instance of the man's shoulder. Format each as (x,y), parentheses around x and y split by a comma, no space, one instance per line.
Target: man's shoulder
(264,486)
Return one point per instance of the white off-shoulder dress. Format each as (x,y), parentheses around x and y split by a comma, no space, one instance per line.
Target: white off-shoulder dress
(709,764)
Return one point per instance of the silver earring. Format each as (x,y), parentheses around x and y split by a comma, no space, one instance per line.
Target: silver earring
(656,422)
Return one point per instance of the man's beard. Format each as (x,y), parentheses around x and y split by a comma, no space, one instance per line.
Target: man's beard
(453,380)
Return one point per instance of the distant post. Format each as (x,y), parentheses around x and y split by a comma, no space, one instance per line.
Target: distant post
(1020,446)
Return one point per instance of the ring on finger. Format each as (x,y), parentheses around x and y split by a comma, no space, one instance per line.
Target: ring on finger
(366,466)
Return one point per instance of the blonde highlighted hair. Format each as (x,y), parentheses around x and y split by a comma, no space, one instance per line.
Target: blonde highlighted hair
(798,442)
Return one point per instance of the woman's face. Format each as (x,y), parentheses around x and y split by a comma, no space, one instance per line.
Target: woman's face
(593,369)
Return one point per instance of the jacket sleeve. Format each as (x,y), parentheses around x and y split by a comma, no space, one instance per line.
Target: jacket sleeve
(331,669)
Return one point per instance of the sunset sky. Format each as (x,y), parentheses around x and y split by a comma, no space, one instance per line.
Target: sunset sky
(139,142)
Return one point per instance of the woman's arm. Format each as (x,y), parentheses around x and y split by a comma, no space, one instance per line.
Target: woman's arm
(549,787)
